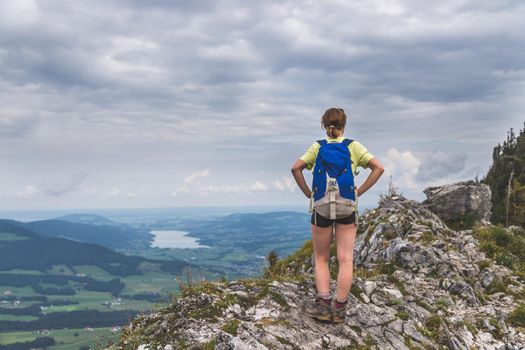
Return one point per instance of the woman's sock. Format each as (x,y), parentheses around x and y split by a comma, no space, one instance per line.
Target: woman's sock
(326,297)
(340,304)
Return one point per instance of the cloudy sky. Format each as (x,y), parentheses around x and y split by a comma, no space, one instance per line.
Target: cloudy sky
(174,103)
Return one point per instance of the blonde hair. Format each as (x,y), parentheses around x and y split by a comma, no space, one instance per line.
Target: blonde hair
(334,121)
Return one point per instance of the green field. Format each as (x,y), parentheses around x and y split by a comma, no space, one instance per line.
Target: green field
(25,272)
(7,236)
(60,270)
(4,317)
(153,280)
(66,339)
(93,271)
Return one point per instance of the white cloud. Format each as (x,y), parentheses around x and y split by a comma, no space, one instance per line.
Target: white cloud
(285,184)
(28,191)
(415,173)
(258,186)
(196,176)
(193,184)
(114,191)
(403,166)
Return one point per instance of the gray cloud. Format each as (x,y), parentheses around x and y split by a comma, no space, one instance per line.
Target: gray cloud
(440,165)
(147,88)
(70,184)
(14,125)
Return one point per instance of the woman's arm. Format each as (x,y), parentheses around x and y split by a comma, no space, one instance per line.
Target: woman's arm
(377,171)
(297,171)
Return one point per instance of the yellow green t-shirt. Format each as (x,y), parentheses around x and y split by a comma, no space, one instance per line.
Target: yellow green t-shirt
(358,154)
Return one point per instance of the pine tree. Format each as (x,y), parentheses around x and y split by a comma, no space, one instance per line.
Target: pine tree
(506,178)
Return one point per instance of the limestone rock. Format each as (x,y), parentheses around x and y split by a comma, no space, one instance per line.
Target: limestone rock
(417,284)
(455,201)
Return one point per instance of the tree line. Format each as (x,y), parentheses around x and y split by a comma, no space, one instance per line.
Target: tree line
(506,178)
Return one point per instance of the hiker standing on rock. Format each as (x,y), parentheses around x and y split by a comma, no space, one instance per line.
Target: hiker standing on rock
(333,204)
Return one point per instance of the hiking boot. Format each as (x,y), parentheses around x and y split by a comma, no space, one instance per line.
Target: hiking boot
(318,308)
(339,312)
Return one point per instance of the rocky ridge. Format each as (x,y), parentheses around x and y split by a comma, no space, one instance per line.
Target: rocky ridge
(417,285)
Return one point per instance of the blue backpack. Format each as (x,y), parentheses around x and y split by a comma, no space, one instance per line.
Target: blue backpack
(334,193)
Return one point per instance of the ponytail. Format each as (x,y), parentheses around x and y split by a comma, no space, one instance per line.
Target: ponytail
(332,132)
(334,121)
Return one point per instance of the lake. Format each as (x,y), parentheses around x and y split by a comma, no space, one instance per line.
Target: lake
(174,239)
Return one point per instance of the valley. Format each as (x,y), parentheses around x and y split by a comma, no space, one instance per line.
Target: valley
(78,287)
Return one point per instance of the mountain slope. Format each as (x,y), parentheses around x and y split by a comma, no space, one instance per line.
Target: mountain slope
(35,252)
(64,286)
(251,231)
(417,285)
(112,236)
(92,219)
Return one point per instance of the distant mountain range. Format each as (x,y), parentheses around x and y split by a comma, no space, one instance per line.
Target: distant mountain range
(88,219)
(283,231)
(89,229)
(40,249)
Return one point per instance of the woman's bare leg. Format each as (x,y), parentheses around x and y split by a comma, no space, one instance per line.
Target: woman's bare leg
(321,239)
(345,238)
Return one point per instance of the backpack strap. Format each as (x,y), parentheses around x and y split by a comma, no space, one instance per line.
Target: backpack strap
(322,142)
(347,142)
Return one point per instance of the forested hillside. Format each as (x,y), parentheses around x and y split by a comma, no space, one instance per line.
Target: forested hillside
(506,178)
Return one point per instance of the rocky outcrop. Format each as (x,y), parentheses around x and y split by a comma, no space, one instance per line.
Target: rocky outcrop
(460,200)
(417,285)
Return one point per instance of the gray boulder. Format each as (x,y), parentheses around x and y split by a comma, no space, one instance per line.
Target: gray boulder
(456,201)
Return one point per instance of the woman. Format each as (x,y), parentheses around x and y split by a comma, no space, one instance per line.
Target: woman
(334,121)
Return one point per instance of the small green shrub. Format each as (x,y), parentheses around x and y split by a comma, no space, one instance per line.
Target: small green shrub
(497,285)
(471,327)
(442,304)
(279,299)
(424,305)
(517,317)
(505,260)
(356,291)
(387,268)
(427,238)
(483,264)
(489,248)
(501,237)
(231,326)
(518,247)
(402,315)
(389,235)
(503,247)
(433,323)
(398,283)
(463,222)
(209,345)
